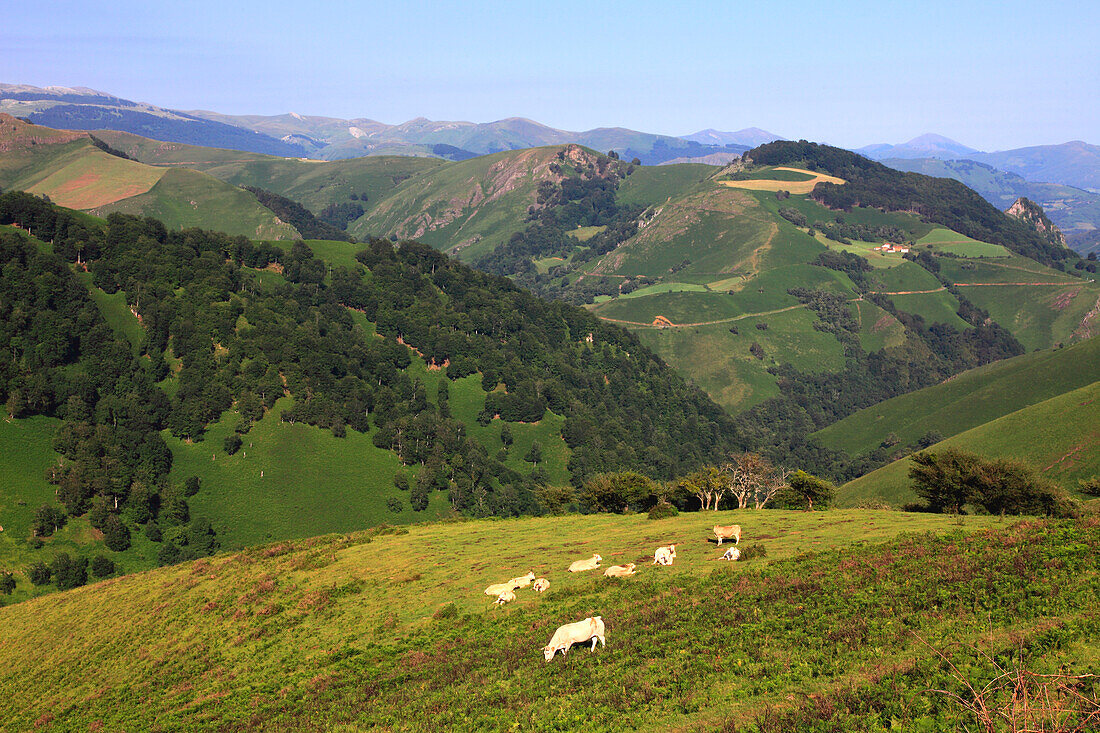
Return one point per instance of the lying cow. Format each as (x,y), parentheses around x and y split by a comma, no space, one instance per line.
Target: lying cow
(732,554)
(590,564)
(732,532)
(664,555)
(620,571)
(577,633)
(541,584)
(497,588)
(523,581)
(505,597)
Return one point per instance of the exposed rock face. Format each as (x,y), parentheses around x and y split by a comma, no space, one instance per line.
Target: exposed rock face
(1028,211)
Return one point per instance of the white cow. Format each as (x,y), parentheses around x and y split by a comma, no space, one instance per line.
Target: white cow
(523,581)
(620,571)
(590,564)
(732,532)
(541,584)
(505,597)
(664,555)
(497,588)
(576,633)
(732,554)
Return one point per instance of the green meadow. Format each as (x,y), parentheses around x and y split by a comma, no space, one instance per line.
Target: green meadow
(968,400)
(1060,436)
(385,630)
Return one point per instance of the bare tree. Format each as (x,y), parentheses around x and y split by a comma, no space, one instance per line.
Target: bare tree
(743,474)
(770,485)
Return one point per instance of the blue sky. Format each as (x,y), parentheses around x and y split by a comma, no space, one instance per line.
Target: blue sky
(991,75)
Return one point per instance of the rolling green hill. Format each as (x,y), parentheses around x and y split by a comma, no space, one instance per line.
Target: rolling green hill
(968,400)
(385,629)
(298,388)
(1060,436)
(74,170)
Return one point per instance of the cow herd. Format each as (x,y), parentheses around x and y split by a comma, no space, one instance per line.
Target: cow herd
(592,628)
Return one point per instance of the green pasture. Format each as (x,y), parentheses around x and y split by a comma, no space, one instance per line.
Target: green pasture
(185,198)
(877,328)
(720,362)
(651,185)
(933,307)
(946,240)
(583,234)
(968,400)
(373,630)
(1040,316)
(1060,436)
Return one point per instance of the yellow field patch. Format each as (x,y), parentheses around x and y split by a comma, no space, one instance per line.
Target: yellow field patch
(795,187)
(95,179)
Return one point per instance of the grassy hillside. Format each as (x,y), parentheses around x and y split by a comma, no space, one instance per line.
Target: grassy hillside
(1060,436)
(386,630)
(466,208)
(185,198)
(969,399)
(74,172)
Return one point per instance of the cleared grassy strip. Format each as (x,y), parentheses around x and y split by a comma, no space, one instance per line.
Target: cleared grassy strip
(670,287)
(877,328)
(291,480)
(654,184)
(969,399)
(116,311)
(25,454)
(1060,435)
(583,234)
(933,307)
(285,637)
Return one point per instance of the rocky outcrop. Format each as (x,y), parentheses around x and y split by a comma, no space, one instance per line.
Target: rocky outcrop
(1030,212)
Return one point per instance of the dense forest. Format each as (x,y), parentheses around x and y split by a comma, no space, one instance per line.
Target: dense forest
(226,338)
(941,200)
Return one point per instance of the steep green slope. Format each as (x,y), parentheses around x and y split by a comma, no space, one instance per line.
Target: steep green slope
(185,198)
(968,400)
(1060,436)
(468,208)
(377,630)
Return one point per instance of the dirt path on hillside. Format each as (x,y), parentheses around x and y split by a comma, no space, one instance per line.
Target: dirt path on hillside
(662,322)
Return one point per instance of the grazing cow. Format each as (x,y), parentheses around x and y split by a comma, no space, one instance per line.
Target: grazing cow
(577,633)
(732,532)
(541,584)
(590,564)
(732,554)
(620,571)
(497,588)
(523,581)
(505,597)
(664,555)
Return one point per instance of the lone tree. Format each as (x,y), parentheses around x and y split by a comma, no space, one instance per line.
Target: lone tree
(535,454)
(617,492)
(7,583)
(811,488)
(949,479)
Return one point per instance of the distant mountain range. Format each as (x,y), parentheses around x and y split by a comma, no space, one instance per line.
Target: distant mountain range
(924,146)
(329,138)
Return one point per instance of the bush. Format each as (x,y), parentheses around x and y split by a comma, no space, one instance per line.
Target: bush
(232,443)
(1090,486)
(447,610)
(7,583)
(39,573)
(616,492)
(951,479)
(663,510)
(101,566)
(191,485)
(754,551)
(47,520)
(115,534)
(394,505)
(555,499)
(69,573)
(152,532)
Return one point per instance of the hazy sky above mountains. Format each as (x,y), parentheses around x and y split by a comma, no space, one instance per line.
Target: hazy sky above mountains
(990,75)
